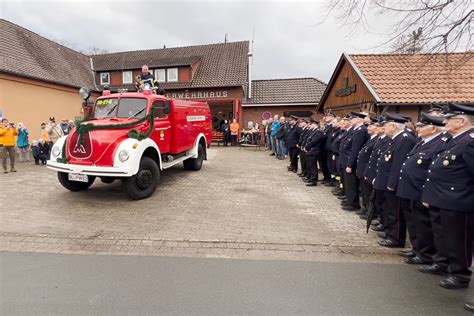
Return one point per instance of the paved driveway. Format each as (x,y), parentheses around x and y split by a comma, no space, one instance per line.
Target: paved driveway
(242,204)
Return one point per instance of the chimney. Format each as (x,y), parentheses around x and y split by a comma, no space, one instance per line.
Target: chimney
(249,88)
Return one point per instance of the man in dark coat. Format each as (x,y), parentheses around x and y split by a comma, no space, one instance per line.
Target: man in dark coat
(449,188)
(313,150)
(362,162)
(388,174)
(323,158)
(336,130)
(292,138)
(301,144)
(349,152)
(336,150)
(420,223)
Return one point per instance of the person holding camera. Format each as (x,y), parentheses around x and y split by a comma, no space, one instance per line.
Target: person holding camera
(7,144)
(54,130)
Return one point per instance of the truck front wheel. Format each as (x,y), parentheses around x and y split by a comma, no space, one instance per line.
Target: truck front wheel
(74,186)
(195,163)
(143,184)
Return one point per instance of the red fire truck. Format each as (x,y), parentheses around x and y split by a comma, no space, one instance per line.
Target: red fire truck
(132,137)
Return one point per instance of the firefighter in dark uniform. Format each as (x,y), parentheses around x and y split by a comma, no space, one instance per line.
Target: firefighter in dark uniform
(323,158)
(362,162)
(302,142)
(420,223)
(388,174)
(350,149)
(292,139)
(449,188)
(335,148)
(336,130)
(147,78)
(313,151)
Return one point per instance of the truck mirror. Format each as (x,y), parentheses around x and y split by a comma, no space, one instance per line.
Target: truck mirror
(167,108)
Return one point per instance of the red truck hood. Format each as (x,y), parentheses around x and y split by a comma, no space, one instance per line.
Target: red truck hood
(98,146)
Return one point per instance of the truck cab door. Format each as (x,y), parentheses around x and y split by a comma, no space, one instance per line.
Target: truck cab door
(162,130)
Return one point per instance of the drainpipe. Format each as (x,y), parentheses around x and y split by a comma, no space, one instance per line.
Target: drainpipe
(249,88)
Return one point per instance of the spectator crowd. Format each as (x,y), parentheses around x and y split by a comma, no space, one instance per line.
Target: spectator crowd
(407,181)
(40,149)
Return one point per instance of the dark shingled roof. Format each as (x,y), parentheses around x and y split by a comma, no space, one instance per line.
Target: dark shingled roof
(219,65)
(278,91)
(28,54)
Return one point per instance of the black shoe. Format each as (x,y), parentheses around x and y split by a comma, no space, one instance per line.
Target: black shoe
(364,216)
(452,282)
(362,212)
(414,260)
(301,174)
(37,163)
(375,222)
(406,253)
(295,171)
(272,154)
(434,268)
(382,235)
(377,228)
(342,197)
(390,244)
(350,208)
(344,202)
(469,307)
(307,180)
(311,184)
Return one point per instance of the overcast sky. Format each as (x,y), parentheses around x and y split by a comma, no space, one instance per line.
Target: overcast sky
(291,38)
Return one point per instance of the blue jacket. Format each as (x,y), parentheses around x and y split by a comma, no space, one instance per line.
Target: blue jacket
(22,140)
(274,129)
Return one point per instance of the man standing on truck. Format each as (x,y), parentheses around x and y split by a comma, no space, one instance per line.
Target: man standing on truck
(147,78)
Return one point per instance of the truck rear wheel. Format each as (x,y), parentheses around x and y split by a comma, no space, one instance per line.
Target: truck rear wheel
(195,163)
(74,186)
(143,184)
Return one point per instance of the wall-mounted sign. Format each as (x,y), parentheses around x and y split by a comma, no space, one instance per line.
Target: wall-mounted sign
(198,95)
(346,89)
(266,115)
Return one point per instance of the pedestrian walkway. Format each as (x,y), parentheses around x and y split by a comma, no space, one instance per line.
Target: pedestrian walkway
(242,204)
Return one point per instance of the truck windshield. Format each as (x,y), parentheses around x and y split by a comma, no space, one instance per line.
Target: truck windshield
(120,108)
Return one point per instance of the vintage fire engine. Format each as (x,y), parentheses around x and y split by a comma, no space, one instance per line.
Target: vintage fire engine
(132,137)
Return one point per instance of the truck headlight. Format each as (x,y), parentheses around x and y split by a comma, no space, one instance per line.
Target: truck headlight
(123,155)
(56,151)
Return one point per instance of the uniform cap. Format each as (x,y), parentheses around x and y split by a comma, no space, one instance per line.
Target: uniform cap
(293,117)
(435,107)
(357,115)
(392,117)
(428,119)
(454,109)
(313,121)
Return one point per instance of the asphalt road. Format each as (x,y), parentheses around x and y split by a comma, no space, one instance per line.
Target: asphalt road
(37,283)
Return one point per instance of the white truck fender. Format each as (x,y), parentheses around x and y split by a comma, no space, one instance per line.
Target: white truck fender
(194,151)
(135,149)
(59,144)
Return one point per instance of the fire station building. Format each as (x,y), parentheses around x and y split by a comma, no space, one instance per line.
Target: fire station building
(40,78)
(403,83)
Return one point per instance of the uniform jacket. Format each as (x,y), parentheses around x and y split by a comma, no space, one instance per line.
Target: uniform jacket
(364,155)
(352,145)
(7,136)
(328,129)
(304,136)
(415,168)
(344,148)
(450,181)
(293,136)
(379,147)
(313,143)
(391,160)
(331,136)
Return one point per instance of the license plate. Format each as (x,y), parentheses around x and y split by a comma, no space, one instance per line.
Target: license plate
(78,177)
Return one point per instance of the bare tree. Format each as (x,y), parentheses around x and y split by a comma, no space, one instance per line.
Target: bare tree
(445,25)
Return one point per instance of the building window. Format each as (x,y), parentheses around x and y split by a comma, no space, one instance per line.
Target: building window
(172,74)
(160,75)
(104,78)
(127,77)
